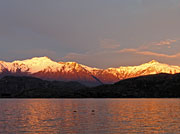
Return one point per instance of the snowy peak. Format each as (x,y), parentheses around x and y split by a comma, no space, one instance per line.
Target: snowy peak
(157,67)
(36,59)
(72,64)
(41,58)
(37,64)
(45,68)
(152,67)
(153,62)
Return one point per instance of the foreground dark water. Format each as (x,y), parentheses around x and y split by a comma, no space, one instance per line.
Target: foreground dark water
(89,116)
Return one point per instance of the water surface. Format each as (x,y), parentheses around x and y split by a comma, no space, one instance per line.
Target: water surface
(89,116)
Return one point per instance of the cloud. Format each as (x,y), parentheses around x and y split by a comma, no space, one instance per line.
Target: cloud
(158,54)
(148,50)
(159,45)
(109,44)
(114,56)
(127,50)
(165,43)
(122,57)
(148,53)
(73,56)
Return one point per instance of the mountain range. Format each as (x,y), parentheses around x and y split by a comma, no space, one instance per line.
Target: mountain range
(47,69)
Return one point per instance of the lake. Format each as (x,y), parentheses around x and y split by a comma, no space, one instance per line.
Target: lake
(89,116)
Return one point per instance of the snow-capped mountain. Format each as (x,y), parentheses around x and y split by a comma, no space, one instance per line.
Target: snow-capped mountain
(153,67)
(45,68)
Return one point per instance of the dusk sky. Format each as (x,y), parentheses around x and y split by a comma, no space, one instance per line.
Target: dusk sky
(97,33)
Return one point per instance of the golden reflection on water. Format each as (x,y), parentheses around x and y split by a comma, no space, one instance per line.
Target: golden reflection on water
(89,116)
(43,117)
(149,116)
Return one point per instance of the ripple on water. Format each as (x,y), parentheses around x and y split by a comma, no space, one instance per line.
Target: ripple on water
(112,116)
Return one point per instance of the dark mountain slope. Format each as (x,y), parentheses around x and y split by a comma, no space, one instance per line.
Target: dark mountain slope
(13,86)
(152,86)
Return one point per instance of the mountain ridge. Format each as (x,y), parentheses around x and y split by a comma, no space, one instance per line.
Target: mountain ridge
(46,68)
(30,87)
(150,86)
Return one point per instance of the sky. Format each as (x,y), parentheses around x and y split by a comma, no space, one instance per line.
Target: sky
(97,33)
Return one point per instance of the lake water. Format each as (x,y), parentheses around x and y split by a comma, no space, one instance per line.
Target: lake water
(89,116)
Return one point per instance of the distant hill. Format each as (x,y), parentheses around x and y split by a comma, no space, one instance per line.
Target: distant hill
(151,86)
(47,69)
(29,87)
